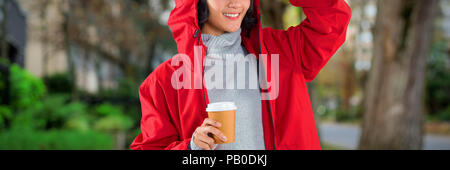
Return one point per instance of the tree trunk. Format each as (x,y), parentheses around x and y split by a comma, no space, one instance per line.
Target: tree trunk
(394,112)
(64,10)
(348,77)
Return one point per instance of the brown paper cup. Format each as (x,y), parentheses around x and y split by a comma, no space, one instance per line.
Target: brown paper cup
(225,113)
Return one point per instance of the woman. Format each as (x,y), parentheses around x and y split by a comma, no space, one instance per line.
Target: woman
(279,117)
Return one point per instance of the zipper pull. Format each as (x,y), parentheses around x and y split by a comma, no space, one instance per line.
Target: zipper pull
(197,34)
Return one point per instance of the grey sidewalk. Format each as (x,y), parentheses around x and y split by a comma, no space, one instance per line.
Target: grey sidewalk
(347,136)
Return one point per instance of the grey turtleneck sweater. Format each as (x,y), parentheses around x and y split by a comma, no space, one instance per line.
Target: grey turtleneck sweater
(225,56)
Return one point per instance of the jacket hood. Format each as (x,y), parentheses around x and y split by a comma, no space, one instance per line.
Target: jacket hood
(183,21)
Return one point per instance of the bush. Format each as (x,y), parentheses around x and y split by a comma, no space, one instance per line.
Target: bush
(438,82)
(36,119)
(53,112)
(340,114)
(26,90)
(126,89)
(59,83)
(5,114)
(54,140)
(112,119)
(2,85)
(443,115)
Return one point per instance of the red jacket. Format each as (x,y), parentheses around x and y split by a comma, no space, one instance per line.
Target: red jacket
(170,116)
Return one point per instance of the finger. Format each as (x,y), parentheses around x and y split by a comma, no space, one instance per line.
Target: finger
(202,144)
(200,135)
(211,122)
(205,132)
(215,131)
(206,139)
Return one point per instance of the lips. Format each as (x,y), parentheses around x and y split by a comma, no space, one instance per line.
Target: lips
(232,15)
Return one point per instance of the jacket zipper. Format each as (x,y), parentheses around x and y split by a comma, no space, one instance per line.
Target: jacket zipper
(197,35)
(270,107)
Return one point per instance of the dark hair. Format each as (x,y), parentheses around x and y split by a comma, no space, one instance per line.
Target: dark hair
(203,15)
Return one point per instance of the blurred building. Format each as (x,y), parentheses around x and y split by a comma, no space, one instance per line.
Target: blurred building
(42,24)
(16,31)
(50,51)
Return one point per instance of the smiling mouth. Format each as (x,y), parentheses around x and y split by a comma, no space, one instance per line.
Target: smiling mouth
(231,15)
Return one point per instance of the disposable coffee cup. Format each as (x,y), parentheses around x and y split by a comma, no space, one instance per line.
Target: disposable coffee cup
(225,113)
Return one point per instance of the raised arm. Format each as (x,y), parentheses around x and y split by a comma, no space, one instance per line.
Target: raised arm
(311,44)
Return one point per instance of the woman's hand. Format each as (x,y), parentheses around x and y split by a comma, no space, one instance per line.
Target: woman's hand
(203,135)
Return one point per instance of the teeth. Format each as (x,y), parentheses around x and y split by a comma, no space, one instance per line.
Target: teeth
(231,15)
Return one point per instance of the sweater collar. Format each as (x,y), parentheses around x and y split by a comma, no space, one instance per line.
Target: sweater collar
(223,43)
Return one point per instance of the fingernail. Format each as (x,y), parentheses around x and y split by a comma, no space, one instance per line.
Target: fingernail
(224,139)
(219,124)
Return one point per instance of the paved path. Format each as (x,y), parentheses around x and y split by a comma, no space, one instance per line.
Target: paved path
(347,136)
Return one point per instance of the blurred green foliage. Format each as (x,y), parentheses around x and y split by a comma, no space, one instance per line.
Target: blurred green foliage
(53,112)
(112,119)
(41,119)
(59,83)
(339,114)
(2,84)
(127,88)
(343,115)
(438,83)
(26,90)
(54,140)
(5,114)
(4,61)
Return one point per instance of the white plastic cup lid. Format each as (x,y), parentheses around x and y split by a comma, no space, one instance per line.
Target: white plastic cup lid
(221,106)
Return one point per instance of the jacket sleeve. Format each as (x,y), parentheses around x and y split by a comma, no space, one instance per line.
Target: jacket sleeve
(311,44)
(157,130)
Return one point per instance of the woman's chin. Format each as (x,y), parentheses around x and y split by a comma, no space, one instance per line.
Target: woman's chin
(233,29)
